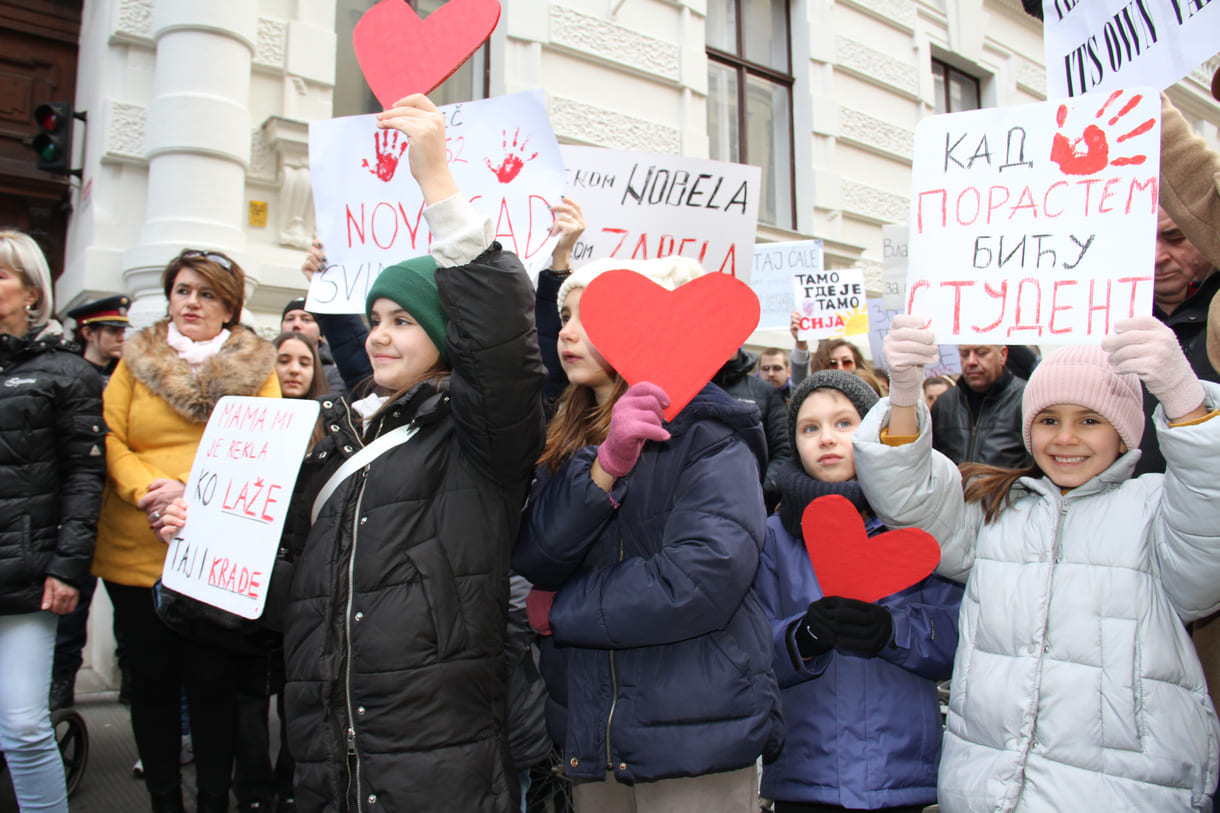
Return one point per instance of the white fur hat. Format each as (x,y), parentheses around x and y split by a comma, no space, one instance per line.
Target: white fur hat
(668,272)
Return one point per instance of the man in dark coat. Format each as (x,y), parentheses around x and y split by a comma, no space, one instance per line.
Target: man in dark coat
(980,420)
(736,378)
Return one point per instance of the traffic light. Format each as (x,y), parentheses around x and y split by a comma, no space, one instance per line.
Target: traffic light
(53,143)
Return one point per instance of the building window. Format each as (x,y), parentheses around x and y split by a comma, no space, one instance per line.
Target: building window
(749,97)
(955,91)
(352,96)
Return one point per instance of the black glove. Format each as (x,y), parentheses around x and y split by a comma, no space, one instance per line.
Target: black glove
(860,626)
(815,633)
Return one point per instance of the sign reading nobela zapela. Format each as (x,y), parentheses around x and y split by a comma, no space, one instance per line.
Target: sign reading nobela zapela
(1035,222)
(237,499)
(641,206)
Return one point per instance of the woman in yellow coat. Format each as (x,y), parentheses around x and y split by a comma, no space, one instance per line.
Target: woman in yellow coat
(156,405)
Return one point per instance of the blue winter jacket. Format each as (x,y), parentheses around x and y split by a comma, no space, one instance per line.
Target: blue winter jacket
(660,660)
(860,732)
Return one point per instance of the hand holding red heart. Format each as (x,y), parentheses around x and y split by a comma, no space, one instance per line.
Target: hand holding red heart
(635,419)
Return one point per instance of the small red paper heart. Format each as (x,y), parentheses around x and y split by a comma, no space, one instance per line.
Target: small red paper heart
(401,54)
(849,563)
(675,339)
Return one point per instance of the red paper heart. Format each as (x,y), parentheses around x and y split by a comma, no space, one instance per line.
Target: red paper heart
(849,563)
(401,54)
(675,339)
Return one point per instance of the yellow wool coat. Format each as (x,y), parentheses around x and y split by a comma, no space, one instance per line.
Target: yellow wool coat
(156,409)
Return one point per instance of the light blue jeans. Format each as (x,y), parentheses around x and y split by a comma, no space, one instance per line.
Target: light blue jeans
(27,646)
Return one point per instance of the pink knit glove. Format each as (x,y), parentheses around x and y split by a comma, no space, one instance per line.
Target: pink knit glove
(538,609)
(1147,347)
(909,347)
(636,418)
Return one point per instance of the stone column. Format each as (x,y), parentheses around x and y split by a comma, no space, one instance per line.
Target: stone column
(197,144)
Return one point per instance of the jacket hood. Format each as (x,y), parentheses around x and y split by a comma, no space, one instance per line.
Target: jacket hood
(736,368)
(713,403)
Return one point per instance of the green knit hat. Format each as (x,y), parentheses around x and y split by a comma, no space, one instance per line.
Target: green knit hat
(412,285)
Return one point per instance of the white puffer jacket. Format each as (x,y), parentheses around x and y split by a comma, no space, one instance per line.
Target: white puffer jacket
(1075,686)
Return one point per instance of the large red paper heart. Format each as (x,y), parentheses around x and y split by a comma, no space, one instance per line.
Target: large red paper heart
(848,563)
(401,54)
(675,339)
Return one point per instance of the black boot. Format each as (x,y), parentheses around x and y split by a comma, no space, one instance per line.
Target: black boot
(63,693)
(206,802)
(167,802)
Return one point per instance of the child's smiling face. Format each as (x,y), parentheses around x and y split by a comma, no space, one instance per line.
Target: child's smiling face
(824,428)
(1073,444)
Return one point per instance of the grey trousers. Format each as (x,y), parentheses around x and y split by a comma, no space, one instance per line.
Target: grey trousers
(729,792)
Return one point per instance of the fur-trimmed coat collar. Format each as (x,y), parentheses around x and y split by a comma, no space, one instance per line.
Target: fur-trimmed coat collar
(240,368)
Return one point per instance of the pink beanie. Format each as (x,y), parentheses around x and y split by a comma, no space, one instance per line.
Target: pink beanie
(1084,376)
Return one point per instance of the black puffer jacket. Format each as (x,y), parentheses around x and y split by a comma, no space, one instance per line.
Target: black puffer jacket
(993,436)
(394,635)
(735,379)
(52,466)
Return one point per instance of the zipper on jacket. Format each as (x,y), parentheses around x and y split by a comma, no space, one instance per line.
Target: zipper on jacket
(613,685)
(347,623)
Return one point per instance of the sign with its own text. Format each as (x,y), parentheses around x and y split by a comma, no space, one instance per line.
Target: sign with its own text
(503,156)
(237,498)
(1106,45)
(832,304)
(1037,222)
(641,206)
(879,320)
(894,265)
(776,265)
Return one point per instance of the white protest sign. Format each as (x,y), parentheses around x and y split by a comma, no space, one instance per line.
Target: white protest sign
(894,265)
(1108,45)
(775,265)
(1035,222)
(832,304)
(879,319)
(640,206)
(237,498)
(503,156)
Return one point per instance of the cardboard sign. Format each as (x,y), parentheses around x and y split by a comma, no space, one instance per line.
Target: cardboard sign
(775,267)
(400,54)
(894,249)
(849,563)
(628,317)
(832,304)
(641,206)
(1101,46)
(237,498)
(503,156)
(1035,223)
(879,319)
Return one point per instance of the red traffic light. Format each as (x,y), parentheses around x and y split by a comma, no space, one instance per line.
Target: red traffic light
(53,141)
(46,116)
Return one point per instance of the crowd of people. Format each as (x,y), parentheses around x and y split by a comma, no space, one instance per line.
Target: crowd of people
(501,554)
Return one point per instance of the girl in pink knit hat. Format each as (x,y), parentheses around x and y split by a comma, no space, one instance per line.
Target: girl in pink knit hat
(1075,685)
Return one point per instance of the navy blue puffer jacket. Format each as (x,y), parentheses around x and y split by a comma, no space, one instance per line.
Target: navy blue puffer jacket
(660,661)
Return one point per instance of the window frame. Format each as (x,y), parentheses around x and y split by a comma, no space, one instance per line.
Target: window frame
(951,72)
(743,68)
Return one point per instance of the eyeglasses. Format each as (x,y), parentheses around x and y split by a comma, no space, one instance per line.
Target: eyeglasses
(220,259)
(846,364)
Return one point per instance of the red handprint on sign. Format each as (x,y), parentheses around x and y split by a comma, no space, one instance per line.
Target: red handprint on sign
(1094,155)
(389,152)
(513,161)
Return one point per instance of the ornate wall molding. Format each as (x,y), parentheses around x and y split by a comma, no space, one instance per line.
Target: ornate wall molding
(874,134)
(125,133)
(133,21)
(876,66)
(605,40)
(263,159)
(875,204)
(1031,76)
(577,120)
(898,13)
(271,49)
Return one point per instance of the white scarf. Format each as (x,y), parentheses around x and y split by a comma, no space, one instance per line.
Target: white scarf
(192,352)
(367,407)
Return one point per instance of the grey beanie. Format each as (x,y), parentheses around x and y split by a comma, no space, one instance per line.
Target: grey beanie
(853,387)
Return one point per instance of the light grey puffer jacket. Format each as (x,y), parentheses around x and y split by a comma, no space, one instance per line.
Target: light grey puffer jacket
(1075,686)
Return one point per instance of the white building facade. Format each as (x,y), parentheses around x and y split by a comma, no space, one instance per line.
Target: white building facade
(198,116)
